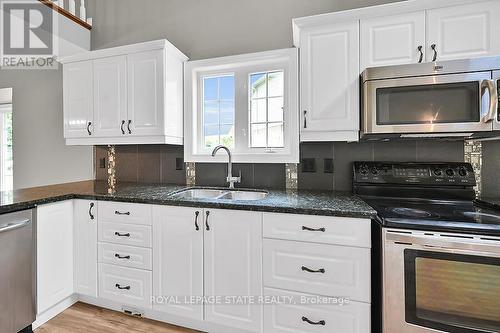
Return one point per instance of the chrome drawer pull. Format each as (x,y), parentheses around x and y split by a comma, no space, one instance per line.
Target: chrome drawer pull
(121,257)
(321,270)
(311,229)
(122,235)
(196,220)
(120,213)
(321,322)
(121,288)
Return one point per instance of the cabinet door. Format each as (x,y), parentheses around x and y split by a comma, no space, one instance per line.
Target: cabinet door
(393,40)
(233,267)
(85,247)
(146,93)
(178,259)
(110,96)
(54,254)
(330,83)
(77,100)
(462,32)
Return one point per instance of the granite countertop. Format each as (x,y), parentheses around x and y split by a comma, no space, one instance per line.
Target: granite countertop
(327,203)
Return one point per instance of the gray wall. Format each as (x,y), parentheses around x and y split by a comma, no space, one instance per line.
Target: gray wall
(207,28)
(40,155)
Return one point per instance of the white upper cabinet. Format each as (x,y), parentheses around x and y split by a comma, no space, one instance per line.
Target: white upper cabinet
(463,31)
(329,87)
(146,93)
(125,95)
(78,107)
(393,40)
(110,95)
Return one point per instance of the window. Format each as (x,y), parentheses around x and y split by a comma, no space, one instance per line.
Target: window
(218,111)
(6,163)
(248,103)
(266,110)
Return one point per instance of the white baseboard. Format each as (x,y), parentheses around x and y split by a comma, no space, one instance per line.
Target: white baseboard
(50,313)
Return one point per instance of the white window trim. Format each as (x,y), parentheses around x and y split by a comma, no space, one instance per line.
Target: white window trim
(242,66)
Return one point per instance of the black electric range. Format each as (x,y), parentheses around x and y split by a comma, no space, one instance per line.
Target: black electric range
(425,196)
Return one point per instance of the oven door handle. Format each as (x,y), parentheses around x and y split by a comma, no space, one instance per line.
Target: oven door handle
(493,106)
(490,246)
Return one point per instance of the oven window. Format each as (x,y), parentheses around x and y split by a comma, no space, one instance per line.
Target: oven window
(452,292)
(429,104)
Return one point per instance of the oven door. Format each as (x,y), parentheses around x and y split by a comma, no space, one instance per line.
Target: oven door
(455,103)
(496,78)
(435,283)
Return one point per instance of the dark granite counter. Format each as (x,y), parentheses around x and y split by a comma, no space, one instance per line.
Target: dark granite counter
(325,203)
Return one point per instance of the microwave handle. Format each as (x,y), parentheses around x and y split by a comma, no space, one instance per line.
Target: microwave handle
(493,109)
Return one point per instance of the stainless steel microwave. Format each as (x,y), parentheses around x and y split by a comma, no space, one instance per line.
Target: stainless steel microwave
(457,98)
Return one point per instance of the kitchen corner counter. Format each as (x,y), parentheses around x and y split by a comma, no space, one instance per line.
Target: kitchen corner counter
(326,203)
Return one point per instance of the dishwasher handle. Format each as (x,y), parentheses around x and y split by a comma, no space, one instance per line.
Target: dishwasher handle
(14,225)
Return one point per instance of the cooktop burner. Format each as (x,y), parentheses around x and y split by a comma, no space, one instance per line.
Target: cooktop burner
(410,212)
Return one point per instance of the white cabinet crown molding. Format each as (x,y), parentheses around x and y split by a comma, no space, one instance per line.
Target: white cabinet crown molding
(400,7)
(126,49)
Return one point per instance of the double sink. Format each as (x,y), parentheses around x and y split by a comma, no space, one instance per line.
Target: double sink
(220,194)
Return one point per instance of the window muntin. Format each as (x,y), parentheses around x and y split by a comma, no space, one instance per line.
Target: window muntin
(266,99)
(218,110)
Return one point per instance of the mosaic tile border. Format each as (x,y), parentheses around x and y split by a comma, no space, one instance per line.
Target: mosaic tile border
(473,154)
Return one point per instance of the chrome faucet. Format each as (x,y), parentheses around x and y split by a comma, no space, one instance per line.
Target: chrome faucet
(230,179)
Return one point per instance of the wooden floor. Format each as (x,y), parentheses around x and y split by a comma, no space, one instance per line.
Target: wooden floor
(84,318)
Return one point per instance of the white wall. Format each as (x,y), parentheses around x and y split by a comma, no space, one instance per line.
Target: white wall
(40,155)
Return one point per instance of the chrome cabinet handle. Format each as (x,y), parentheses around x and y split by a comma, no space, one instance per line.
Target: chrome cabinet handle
(493,92)
(122,235)
(14,225)
(121,257)
(196,220)
(206,220)
(321,270)
(305,118)
(128,126)
(311,229)
(321,322)
(419,48)
(90,210)
(121,288)
(121,213)
(88,127)
(121,126)
(433,47)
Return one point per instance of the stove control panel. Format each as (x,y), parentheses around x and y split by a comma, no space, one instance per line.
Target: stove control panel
(459,174)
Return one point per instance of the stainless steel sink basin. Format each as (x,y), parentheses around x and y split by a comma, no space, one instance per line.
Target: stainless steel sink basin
(220,194)
(244,195)
(201,193)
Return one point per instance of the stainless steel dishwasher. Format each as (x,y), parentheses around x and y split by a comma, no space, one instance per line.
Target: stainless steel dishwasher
(17,271)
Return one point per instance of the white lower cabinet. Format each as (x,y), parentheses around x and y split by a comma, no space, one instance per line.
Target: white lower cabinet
(54,254)
(178,259)
(297,316)
(233,266)
(85,247)
(321,269)
(125,285)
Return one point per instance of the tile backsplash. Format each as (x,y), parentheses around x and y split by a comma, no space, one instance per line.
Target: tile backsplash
(327,165)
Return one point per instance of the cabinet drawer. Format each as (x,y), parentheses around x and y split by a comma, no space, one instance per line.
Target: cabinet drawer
(125,285)
(318,229)
(126,234)
(123,212)
(321,269)
(123,255)
(352,317)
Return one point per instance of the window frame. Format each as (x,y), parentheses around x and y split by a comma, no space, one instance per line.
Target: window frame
(242,66)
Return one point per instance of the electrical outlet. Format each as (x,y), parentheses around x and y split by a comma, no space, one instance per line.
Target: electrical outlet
(102,163)
(308,165)
(179,163)
(328,165)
